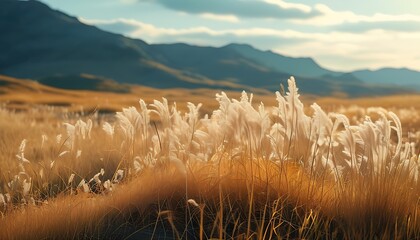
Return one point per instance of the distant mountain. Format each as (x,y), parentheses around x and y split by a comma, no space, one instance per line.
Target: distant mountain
(38,42)
(401,77)
(305,67)
(56,49)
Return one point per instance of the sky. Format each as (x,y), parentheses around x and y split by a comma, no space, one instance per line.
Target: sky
(339,35)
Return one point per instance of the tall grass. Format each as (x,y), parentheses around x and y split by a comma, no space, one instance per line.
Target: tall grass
(246,171)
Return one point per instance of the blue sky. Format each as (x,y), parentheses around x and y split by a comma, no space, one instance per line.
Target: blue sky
(339,35)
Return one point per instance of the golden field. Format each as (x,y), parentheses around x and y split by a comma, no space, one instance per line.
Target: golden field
(229,169)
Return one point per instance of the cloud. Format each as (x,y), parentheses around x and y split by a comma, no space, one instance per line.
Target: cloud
(121,26)
(349,51)
(349,21)
(218,17)
(139,29)
(399,26)
(276,9)
(286,5)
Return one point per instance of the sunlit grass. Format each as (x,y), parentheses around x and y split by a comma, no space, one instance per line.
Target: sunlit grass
(246,171)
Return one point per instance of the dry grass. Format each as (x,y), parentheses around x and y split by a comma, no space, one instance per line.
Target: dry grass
(19,94)
(160,192)
(288,172)
(26,94)
(258,200)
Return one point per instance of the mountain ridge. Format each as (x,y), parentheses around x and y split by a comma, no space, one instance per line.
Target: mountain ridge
(47,43)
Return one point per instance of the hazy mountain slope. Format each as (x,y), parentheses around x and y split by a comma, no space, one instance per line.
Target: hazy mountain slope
(217,63)
(394,76)
(305,67)
(229,63)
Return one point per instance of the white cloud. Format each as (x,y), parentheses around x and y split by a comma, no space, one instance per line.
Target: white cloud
(219,17)
(89,21)
(265,9)
(349,51)
(140,29)
(286,5)
(330,17)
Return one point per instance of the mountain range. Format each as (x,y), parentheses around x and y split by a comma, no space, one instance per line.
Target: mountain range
(56,49)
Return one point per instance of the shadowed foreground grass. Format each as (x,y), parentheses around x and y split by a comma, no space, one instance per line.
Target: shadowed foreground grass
(240,200)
